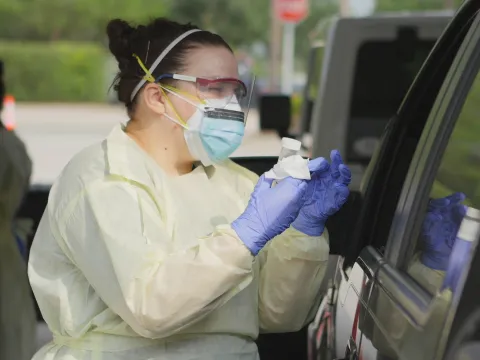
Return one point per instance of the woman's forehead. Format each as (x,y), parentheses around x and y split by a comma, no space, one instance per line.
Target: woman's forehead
(212,62)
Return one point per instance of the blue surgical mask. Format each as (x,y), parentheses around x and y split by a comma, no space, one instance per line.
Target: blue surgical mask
(213,134)
(221,133)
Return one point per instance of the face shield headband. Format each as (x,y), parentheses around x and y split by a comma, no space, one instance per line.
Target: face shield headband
(149,77)
(205,87)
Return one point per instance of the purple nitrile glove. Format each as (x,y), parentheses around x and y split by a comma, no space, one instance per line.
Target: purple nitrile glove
(270,211)
(440,228)
(326,193)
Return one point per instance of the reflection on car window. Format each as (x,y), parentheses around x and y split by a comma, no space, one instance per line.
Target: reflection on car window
(455,192)
(460,166)
(450,226)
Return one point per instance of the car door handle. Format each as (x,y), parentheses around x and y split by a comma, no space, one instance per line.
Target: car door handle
(370,260)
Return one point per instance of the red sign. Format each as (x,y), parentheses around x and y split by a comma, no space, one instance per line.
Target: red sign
(291,10)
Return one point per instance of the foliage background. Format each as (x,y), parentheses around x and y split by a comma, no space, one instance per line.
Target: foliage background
(55,50)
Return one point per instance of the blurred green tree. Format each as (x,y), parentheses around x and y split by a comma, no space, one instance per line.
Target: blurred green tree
(45,20)
(320,12)
(416,5)
(244,22)
(240,22)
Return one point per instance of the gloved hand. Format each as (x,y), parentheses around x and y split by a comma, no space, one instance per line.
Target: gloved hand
(326,193)
(270,211)
(439,230)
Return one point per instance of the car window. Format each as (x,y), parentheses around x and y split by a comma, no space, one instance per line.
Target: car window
(407,315)
(374,99)
(443,250)
(455,190)
(460,166)
(384,179)
(373,95)
(407,127)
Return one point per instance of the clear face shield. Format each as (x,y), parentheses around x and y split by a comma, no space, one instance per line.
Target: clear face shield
(228,99)
(220,93)
(217,94)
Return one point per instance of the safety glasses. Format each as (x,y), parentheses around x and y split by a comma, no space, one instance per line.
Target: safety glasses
(217,92)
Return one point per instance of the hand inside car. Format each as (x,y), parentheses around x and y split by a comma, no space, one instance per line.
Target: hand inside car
(326,193)
(439,230)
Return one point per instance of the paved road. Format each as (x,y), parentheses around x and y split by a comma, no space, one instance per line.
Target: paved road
(53,133)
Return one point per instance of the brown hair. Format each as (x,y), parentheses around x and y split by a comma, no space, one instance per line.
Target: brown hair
(148,41)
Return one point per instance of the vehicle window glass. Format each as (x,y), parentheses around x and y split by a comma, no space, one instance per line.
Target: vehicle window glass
(373,94)
(378,90)
(389,332)
(442,250)
(449,227)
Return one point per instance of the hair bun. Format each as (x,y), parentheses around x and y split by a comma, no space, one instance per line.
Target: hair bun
(119,33)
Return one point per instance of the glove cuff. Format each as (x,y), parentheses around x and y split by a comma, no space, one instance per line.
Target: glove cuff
(309,228)
(247,237)
(435,261)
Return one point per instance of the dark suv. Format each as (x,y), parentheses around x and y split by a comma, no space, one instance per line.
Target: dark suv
(376,306)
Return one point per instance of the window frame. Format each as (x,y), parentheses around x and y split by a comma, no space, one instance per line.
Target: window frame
(413,200)
(413,301)
(415,108)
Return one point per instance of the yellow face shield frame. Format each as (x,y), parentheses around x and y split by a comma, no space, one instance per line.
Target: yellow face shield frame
(149,78)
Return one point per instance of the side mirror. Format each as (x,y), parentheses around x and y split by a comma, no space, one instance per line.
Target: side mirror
(275,113)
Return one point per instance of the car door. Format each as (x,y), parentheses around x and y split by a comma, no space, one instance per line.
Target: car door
(416,289)
(370,221)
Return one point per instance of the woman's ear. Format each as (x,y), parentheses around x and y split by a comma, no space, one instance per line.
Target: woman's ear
(155,98)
